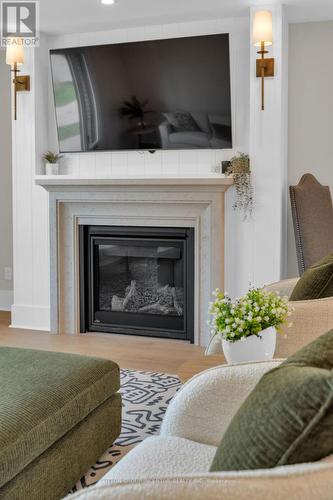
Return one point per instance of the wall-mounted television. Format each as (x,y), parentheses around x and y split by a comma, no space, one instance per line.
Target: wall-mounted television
(164,94)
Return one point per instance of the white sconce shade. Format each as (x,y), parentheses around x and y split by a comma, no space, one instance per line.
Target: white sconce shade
(263,28)
(14,52)
(15,58)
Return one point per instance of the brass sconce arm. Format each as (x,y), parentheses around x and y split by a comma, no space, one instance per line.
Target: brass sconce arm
(263,37)
(265,68)
(21,84)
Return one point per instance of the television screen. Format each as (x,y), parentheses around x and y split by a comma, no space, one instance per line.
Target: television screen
(162,94)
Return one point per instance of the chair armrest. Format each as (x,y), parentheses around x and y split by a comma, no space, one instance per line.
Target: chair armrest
(284,287)
(309,320)
(165,130)
(204,407)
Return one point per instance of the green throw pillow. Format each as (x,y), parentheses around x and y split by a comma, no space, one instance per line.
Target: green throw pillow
(288,417)
(316,282)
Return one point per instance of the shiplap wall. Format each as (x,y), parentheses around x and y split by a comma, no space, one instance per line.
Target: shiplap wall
(35,131)
(6,250)
(30,213)
(166,162)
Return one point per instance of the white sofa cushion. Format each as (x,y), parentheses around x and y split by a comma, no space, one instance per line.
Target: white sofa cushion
(204,407)
(158,457)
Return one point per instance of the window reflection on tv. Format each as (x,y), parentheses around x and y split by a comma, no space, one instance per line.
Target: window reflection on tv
(163,94)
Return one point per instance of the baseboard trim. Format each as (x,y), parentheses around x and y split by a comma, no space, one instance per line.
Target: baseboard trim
(28,317)
(6,300)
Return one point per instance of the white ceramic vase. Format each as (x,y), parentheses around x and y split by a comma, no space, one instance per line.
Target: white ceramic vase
(51,168)
(251,348)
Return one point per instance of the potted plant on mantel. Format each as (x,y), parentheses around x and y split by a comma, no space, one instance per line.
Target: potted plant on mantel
(52,162)
(248,326)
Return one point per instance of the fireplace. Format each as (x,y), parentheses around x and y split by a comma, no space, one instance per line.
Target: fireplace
(137,281)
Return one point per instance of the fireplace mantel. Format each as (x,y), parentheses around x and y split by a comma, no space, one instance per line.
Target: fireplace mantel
(54,182)
(189,202)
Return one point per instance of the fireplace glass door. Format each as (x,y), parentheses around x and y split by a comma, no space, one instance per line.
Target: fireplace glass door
(138,281)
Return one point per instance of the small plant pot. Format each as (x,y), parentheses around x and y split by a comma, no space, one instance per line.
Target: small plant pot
(251,348)
(51,168)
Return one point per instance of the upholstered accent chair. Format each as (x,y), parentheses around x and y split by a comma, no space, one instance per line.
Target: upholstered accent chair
(309,319)
(312,212)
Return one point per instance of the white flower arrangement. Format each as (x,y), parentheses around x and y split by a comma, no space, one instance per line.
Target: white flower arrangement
(258,310)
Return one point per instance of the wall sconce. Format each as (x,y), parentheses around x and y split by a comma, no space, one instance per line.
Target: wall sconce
(15,58)
(263,37)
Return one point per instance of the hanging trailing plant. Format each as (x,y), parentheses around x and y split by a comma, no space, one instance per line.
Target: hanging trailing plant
(241,172)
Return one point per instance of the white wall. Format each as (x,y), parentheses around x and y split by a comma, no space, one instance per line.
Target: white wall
(310,110)
(6,247)
(268,148)
(30,212)
(35,132)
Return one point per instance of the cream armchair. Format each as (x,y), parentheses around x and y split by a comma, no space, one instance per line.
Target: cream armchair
(175,464)
(310,319)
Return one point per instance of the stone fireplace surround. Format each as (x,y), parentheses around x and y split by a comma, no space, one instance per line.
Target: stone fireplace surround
(196,202)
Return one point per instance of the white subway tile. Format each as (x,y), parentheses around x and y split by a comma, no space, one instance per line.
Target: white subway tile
(87,166)
(119,163)
(103,164)
(153,163)
(136,163)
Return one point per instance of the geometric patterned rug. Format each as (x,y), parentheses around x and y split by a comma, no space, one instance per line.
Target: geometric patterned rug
(146,396)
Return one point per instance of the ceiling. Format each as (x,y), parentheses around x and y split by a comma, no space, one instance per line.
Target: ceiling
(77,16)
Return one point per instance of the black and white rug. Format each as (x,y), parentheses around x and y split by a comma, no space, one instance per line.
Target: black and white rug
(146,396)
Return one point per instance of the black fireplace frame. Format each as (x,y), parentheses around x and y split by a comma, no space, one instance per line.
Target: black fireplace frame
(87,234)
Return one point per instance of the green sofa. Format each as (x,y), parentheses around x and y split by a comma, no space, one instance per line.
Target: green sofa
(58,414)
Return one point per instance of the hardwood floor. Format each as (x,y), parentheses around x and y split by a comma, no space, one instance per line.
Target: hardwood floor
(138,353)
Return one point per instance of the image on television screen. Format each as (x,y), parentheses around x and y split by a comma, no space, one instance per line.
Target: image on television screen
(168,94)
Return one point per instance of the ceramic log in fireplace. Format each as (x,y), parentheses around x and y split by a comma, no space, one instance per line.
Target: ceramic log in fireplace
(137,281)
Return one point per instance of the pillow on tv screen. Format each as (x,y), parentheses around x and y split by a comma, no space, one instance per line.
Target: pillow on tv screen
(288,417)
(316,282)
(182,122)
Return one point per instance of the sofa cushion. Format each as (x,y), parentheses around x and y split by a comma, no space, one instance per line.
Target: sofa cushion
(43,395)
(194,139)
(162,456)
(202,121)
(316,282)
(287,418)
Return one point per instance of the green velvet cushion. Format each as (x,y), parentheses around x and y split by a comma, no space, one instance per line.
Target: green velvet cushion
(43,395)
(316,282)
(288,417)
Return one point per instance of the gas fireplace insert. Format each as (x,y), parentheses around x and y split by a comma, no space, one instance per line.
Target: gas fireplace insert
(137,281)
